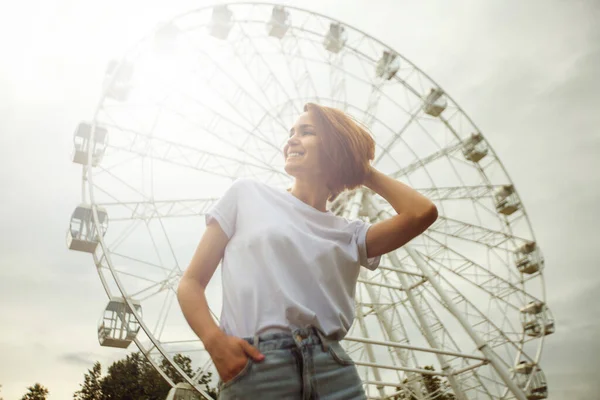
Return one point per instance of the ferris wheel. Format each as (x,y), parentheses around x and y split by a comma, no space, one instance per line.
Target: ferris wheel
(208,97)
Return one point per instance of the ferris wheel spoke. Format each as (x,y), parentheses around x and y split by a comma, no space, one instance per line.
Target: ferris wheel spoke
(497,359)
(388,318)
(481,196)
(337,82)
(227,131)
(148,210)
(429,325)
(387,313)
(449,227)
(161,321)
(297,66)
(372,103)
(479,320)
(399,270)
(453,161)
(187,156)
(141,262)
(100,170)
(459,192)
(479,276)
(421,163)
(475,233)
(465,363)
(242,100)
(411,313)
(270,85)
(149,292)
(124,273)
(388,146)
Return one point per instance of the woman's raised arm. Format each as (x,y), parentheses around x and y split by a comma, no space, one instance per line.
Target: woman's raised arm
(415,214)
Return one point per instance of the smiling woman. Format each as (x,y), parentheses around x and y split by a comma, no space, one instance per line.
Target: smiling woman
(291,267)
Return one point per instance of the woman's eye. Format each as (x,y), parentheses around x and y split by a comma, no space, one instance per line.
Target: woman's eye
(307,133)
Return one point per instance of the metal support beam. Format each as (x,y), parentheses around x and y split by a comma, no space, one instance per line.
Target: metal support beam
(481,345)
(428,334)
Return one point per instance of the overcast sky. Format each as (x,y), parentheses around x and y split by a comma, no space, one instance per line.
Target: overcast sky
(526,72)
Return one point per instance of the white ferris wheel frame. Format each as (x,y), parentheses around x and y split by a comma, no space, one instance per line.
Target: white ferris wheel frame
(350,205)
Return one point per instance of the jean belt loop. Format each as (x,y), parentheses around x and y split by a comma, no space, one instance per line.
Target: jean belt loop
(256,340)
(324,341)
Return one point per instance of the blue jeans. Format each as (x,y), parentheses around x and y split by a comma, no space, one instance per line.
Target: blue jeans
(301,365)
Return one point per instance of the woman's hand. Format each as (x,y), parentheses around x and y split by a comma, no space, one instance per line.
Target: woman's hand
(367,181)
(230,354)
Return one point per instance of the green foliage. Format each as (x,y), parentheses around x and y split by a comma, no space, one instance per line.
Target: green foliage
(135,378)
(432,387)
(91,389)
(124,379)
(36,392)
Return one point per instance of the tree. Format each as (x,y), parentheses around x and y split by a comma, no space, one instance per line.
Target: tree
(35,392)
(185,363)
(135,378)
(124,378)
(436,387)
(432,387)
(91,389)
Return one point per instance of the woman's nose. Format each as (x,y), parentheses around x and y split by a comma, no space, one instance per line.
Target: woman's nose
(293,139)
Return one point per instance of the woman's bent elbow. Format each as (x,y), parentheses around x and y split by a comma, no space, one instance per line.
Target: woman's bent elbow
(429,217)
(183,288)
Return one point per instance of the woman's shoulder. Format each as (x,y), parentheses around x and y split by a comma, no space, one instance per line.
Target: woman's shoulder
(247,185)
(249,182)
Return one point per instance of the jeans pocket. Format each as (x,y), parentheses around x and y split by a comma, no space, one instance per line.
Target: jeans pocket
(339,354)
(240,375)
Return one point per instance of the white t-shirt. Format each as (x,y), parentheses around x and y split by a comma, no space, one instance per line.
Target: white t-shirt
(286,265)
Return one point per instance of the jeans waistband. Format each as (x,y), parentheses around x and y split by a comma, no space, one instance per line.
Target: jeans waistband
(288,340)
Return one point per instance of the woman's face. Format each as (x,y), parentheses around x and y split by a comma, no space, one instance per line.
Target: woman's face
(302,151)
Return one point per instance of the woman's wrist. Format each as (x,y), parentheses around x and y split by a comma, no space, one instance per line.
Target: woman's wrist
(371,178)
(211,338)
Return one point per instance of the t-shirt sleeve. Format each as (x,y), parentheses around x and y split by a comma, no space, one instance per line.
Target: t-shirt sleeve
(361,238)
(225,210)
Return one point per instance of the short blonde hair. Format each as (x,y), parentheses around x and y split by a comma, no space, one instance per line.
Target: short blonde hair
(348,148)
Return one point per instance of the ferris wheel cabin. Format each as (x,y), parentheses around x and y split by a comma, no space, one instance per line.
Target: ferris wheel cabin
(182,391)
(435,102)
(388,65)
(279,23)
(507,201)
(528,258)
(537,319)
(82,143)
(83,234)
(118,80)
(475,148)
(165,38)
(118,327)
(336,38)
(221,22)
(532,380)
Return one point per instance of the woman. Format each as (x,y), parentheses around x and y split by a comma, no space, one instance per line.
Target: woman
(290,266)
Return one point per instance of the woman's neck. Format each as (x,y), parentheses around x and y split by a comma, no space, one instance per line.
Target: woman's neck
(312,193)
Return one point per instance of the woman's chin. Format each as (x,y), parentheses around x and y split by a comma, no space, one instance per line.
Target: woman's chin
(291,169)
